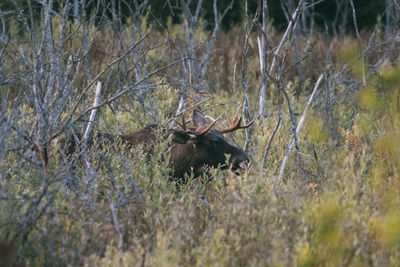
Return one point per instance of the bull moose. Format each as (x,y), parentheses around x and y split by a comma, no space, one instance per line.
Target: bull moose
(192,149)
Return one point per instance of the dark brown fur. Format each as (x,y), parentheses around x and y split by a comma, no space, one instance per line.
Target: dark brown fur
(188,152)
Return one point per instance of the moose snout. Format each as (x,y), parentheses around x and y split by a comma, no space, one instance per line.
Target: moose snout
(240,165)
(243,165)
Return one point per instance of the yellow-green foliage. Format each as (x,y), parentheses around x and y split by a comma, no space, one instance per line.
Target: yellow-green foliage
(350,54)
(369,98)
(337,204)
(327,240)
(315,130)
(387,229)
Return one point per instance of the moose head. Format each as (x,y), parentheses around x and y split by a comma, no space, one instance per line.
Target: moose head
(202,146)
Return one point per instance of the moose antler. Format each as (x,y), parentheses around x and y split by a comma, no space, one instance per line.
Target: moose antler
(199,131)
(235,123)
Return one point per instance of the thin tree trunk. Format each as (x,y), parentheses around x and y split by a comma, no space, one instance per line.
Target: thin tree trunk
(299,126)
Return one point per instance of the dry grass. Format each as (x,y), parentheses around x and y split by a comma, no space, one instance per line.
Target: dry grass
(336,206)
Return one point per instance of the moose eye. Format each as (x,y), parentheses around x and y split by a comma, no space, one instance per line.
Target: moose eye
(215,142)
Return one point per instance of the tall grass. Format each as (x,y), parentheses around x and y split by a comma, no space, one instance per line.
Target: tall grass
(337,204)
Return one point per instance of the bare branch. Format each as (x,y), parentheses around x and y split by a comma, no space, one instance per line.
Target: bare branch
(117,95)
(263,58)
(138,195)
(299,125)
(268,146)
(289,29)
(359,41)
(211,42)
(88,131)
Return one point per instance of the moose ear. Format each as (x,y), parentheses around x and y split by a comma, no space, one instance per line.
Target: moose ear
(181,137)
(199,119)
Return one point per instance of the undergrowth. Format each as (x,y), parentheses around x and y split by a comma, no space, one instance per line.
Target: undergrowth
(336,205)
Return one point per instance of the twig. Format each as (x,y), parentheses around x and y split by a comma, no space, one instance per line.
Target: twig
(263,58)
(281,87)
(261,48)
(114,97)
(78,101)
(181,105)
(267,148)
(210,45)
(184,110)
(234,82)
(93,114)
(359,41)
(289,29)
(299,125)
(245,100)
(131,178)
(116,223)
(88,131)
